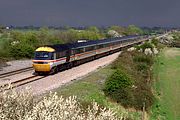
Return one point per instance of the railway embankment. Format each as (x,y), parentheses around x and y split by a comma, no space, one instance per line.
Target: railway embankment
(124,86)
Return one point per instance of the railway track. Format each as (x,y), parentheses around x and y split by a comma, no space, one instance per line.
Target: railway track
(20,82)
(3,75)
(16,83)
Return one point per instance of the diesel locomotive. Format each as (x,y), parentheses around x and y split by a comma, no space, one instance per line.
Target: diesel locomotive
(53,58)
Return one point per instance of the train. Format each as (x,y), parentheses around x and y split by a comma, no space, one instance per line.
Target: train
(53,58)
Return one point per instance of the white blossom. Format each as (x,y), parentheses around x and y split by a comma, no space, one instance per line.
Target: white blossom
(113,33)
(14,43)
(155,51)
(131,49)
(21,106)
(148,51)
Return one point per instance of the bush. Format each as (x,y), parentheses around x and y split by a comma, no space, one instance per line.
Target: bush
(4,48)
(146,45)
(137,47)
(143,95)
(118,80)
(123,96)
(22,106)
(142,67)
(22,50)
(143,58)
(118,88)
(155,41)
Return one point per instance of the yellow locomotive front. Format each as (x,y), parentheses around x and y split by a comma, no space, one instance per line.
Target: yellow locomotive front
(43,59)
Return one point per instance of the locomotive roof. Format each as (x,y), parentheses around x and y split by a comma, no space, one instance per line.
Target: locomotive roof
(62,47)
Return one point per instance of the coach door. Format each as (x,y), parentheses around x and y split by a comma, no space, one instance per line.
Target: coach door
(68,54)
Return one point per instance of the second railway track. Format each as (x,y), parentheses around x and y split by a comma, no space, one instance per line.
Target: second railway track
(7,74)
(20,82)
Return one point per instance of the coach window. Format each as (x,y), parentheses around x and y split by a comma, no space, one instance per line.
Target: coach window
(111,44)
(79,50)
(97,46)
(57,55)
(89,48)
(103,46)
(100,46)
(63,53)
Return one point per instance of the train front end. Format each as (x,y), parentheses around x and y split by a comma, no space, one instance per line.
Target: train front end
(43,59)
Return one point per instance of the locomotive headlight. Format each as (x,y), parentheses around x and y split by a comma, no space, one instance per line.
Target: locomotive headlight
(50,63)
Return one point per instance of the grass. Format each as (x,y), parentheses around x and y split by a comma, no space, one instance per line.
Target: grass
(167,85)
(90,89)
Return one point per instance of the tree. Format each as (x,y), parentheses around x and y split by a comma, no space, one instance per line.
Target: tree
(133,30)
(119,29)
(1,28)
(93,29)
(43,35)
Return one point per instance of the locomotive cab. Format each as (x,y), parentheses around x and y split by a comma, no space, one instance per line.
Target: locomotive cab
(43,59)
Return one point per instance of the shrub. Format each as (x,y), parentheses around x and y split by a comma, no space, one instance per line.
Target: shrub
(23,106)
(154,41)
(15,106)
(146,45)
(22,50)
(4,47)
(118,80)
(142,67)
(123,96)
(142,96)
(143,58)
(118,88)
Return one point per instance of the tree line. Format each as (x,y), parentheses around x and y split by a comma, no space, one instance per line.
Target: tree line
(15,43)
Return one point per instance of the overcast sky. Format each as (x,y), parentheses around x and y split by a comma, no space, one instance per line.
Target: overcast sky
(90,12)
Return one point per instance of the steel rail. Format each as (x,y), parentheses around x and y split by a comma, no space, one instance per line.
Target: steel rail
(7,74)
(20,82)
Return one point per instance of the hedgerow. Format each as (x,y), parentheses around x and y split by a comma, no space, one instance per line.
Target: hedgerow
(31,39)
(130,84)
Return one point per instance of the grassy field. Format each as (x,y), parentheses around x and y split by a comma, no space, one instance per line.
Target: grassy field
(90,88)
(167,85)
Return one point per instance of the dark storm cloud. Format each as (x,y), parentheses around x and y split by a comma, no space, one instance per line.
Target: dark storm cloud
(90,12)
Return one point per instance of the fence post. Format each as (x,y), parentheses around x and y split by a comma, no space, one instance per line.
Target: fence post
(143,112)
